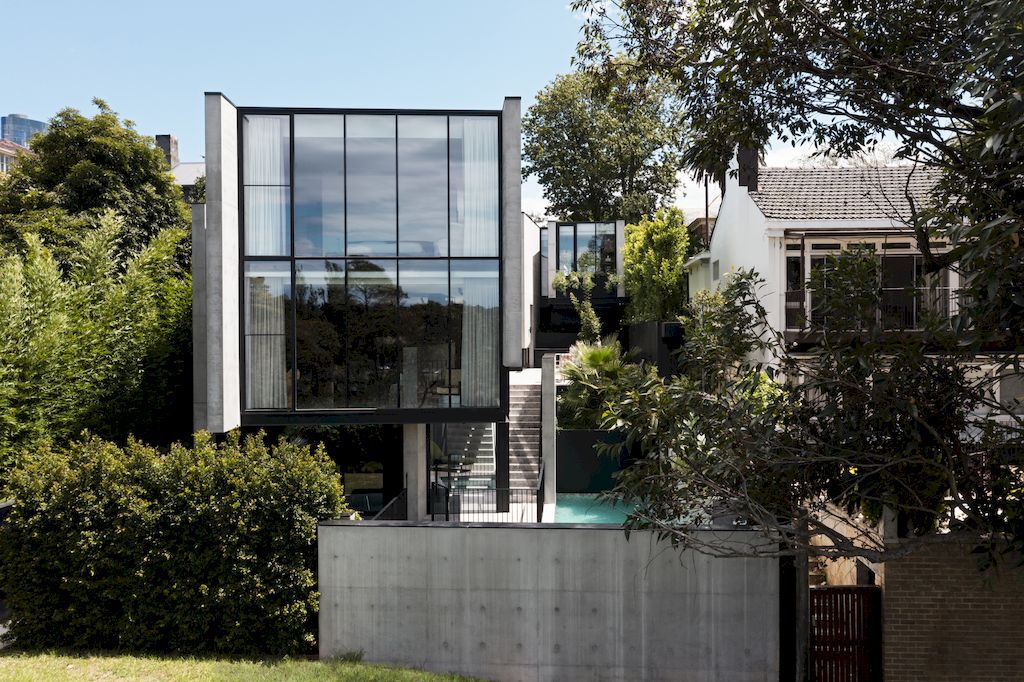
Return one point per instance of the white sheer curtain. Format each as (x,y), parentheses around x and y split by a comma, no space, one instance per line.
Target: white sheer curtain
(266,177)
(480,336)
(266,352)
(480,173)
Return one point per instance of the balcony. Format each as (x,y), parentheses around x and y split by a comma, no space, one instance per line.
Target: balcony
(898,309)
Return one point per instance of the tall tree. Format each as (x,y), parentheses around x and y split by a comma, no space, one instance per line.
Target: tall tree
(80,168)
(943,78)
(656,250)
(603,150)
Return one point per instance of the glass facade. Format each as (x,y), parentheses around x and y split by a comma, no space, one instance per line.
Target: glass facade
(371,275)
(586,246)
(20,129)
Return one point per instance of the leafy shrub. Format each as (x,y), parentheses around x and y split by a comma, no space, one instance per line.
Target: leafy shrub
(100,343)
(655,251)
(595,374)
(209,548)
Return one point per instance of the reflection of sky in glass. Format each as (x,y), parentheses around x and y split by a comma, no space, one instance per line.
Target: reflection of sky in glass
(423,282)
(371,185)
(319,186)
(565,248)
(316,280)
(422,185)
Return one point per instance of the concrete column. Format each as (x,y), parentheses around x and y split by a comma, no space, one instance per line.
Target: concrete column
(512,234)
(414,463)
(547,427)
(199,395)
(223,364)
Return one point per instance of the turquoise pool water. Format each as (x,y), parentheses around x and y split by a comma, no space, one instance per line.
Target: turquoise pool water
(587,508)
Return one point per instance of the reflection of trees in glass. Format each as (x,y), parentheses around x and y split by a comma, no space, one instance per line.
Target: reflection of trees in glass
(373,362)
(320,341)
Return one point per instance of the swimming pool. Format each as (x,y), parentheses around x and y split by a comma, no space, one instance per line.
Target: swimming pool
(587,508)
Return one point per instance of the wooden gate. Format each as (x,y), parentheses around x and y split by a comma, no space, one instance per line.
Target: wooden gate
(846,633)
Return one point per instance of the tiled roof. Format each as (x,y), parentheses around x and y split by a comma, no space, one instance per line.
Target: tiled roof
(841,193)
(11,149)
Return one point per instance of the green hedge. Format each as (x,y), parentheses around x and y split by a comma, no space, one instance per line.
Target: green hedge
(210,548)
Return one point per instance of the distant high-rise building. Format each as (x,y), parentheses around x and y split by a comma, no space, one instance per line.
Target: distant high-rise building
(19,129)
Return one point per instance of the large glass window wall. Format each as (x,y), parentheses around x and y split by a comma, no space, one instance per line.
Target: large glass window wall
(371,274)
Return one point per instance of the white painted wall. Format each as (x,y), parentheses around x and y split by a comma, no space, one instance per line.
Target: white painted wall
(551,602)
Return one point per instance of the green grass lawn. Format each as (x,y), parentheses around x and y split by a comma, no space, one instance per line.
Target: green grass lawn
(25,667)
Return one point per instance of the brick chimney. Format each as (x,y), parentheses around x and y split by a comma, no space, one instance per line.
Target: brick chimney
(747,158)
(169,145)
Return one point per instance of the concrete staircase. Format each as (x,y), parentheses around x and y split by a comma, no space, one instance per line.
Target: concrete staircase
(473,445)
(524,434)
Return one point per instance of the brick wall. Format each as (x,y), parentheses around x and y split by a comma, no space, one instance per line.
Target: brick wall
(946,621)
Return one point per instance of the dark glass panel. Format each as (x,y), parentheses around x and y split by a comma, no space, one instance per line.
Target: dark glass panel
(370,178)
(422,185)
(898,309)
(586,247)
(320,334)
(267,310)
(373,344)
(474,185)
(423,286)
(319,186)
(566,248)
(605,243)
(474,333)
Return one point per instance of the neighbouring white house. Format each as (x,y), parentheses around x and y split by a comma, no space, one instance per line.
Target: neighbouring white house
(784,222)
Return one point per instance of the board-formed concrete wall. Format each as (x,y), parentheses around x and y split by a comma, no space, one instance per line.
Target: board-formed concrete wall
(552,602)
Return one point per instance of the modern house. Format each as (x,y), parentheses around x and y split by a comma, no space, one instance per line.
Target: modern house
(566,247)
(362,267)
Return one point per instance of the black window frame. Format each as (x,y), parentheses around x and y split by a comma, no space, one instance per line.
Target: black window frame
(363,415)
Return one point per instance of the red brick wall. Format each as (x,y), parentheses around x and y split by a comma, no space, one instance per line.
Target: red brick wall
(944,620)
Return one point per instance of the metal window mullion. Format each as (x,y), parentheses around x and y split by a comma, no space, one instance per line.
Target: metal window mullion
(291,260)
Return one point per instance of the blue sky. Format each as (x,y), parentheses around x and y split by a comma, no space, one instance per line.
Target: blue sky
(152,61)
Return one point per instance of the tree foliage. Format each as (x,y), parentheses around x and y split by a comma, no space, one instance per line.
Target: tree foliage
(655,251)
(595,374)
(103,344)
(80,168)
(798,445)
(944,79)
(602,151)
(579,286)
(205,549)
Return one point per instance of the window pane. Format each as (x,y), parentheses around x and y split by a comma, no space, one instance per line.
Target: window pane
(266,150)
(566,248)
(544,261)
(424,327)
(371,181)
(422,185)
(605,248)
(267,335)
(586,243)
(319,186)
(474,185)
(320,334)
(898,298)
(474,333)
(266,221)
(372,334)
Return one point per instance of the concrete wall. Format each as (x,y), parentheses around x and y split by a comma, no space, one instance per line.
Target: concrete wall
(550,602)
(199,394)
(944,620)
(512,234)
(223,387)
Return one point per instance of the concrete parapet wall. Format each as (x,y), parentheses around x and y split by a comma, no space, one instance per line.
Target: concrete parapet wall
(552,602)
